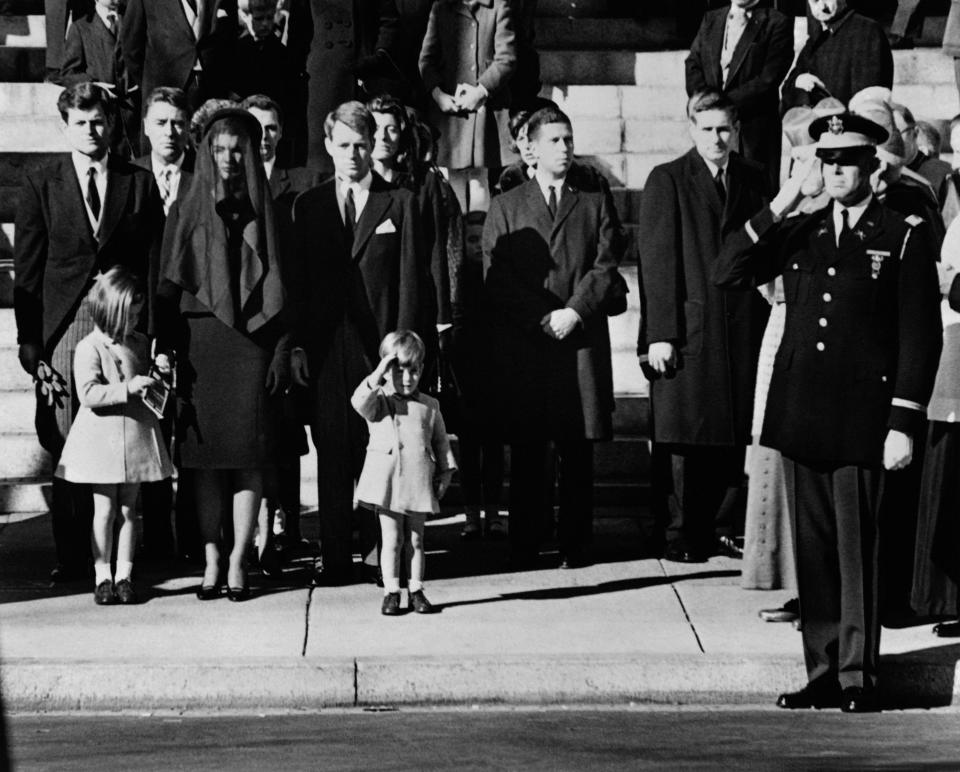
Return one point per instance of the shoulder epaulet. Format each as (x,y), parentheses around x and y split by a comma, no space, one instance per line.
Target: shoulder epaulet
(913,220)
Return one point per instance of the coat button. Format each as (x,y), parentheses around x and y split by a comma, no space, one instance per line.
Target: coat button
(823,322)
(831,271)
(821,346)
(796,266)
(827,297)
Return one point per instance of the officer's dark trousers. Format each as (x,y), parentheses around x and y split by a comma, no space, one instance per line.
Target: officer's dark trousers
(834,511)
(527,493)
(704,492)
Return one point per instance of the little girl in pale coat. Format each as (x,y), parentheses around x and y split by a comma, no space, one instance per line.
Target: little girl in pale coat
(408,464)
(115,441)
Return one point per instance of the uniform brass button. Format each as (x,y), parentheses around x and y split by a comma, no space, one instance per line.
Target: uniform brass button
(821,346)
(827,297)
(831,271)
(796,266)
(823,322)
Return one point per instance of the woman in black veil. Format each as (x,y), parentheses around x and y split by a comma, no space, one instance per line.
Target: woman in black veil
(222,291)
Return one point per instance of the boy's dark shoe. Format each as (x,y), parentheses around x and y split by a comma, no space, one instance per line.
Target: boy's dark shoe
(420,604)
(391,605)
(104,594)
(124,592)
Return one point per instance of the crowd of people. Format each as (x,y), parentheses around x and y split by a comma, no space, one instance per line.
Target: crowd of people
(269,220)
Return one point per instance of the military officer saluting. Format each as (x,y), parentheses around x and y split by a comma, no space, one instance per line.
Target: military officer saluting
(849,389)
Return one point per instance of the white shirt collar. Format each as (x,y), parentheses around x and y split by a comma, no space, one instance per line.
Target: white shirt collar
(268,167)
(545,186)
(103,13)
(714,168)
(158,165)
(83,162)
(361,185)
(854,213)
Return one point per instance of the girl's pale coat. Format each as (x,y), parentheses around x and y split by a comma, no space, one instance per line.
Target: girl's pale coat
(408,447)
(114,438)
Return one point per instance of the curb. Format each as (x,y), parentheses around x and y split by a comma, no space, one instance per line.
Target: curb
(35,685)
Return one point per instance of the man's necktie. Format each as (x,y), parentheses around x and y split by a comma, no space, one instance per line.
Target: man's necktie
(349,215)
(165,188)
(93,195)
(846,235)
(721,188)
(552,203)
(112,23)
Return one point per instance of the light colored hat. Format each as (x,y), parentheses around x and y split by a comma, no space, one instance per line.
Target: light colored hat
(891,149)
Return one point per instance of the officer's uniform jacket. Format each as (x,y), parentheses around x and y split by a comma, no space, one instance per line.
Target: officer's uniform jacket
(863,334)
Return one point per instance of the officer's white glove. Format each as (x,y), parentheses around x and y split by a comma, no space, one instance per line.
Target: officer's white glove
(807,81)
(897,450)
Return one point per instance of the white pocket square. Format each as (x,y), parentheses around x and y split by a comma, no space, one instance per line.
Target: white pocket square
(386,227)
(221,13)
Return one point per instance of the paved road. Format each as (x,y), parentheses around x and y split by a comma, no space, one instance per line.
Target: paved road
(507,739)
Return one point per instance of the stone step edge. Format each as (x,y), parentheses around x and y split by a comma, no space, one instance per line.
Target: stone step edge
(31,685)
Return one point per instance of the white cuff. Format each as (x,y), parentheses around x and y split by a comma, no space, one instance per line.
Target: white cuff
(906,403)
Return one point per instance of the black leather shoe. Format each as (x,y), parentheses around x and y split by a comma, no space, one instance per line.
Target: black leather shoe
(788,612)
(238,594)
(947,630)
(420,604)
(856,699)
(208,592)
(125,593)
(270,564)
(813,695)
(574,559)
(391,605)
(680,553)
(104,595)
(371,574)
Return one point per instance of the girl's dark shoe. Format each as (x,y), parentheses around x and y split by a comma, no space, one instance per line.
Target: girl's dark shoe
(420,604)
(125,593)
(208,592)
(391,605)
(238,594)
(104,595)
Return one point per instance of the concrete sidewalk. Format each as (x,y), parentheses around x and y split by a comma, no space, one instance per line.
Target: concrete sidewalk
(625,629)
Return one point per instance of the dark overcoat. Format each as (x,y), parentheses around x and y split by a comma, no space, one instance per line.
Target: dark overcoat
(862,336)
(91,54)
(160,48)
(717,332)
(760,62)
(56,254)
(473,44)
(339,43)
(541,387)
(854,56)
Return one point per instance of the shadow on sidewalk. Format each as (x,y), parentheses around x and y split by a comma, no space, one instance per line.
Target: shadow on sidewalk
(919,679)
(566,593)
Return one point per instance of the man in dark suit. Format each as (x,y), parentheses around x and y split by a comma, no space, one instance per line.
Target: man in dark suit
(187,44)
(349,49)
(359,272)
(81,214)
(551,252)
(699,344)
(849,389)
(57,16)
(846,54)
(745,52)
(165,123)
(285,185)
(93,54)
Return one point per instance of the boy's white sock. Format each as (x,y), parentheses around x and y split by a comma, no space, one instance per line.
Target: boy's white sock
(124,569)
(101,573)
(414,586)
(390,585)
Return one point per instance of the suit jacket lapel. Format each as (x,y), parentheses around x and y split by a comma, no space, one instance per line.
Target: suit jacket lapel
(537,206)
(279,182)
(743,45)
(70,196)
(703,183)
(118,190)
(734,190)
(569,199)
(714,45)
(378,201)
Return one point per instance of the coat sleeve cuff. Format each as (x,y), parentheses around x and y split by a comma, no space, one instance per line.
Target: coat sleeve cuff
(907,417)
(759,224)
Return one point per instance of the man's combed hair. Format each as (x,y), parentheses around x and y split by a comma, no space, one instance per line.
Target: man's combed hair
(83,96)
(406,345)
(169,96)
(265,103)
(110,299)
(353,114)
(544,116)
(705,101)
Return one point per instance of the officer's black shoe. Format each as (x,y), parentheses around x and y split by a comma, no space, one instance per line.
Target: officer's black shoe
(678,552)
(856,699)
(816,694)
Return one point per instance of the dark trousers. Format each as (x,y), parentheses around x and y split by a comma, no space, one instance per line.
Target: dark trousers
(156,505)
(528,495)
(835,516)
(703,494)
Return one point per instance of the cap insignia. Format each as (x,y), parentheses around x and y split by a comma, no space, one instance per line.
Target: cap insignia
(835,125)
